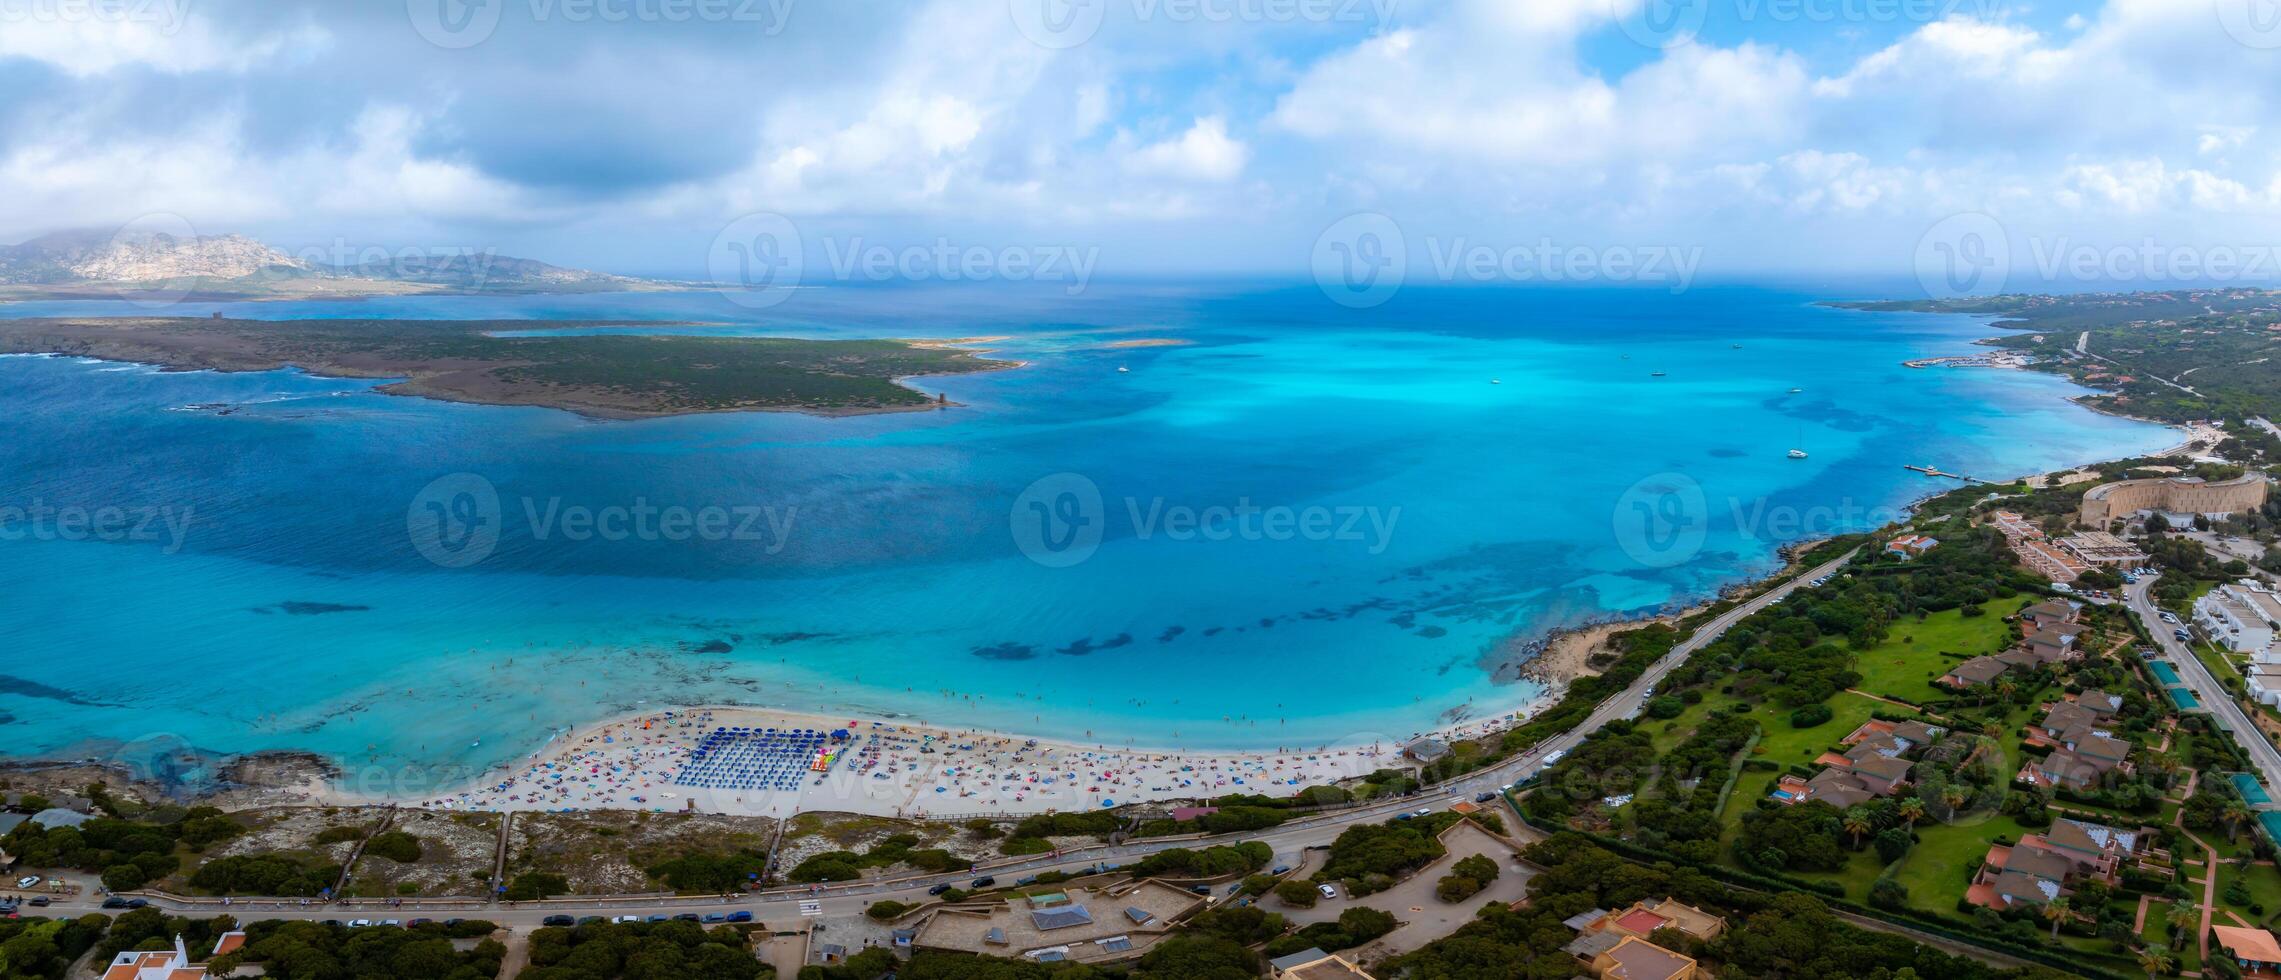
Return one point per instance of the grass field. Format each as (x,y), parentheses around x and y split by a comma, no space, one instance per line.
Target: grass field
(1913,654)
(1934,870)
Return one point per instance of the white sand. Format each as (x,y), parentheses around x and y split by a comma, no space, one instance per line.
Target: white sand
(901,769)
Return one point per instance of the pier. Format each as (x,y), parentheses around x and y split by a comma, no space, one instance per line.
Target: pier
(1935,471)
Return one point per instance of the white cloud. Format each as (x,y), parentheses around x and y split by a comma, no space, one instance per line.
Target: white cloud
(1204,152)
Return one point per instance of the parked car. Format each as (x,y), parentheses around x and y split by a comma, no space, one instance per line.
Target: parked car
(1281,870)
(1328,891)
(136,903)
(661,918)
(689,917)
(558,921)
(416,923)
(623,919)
(114,902)
(39,901)
(1483,797)
(361,923)
(939,889)
(740,917)
(28,881)
(985,881)
(588,919)
(717,917)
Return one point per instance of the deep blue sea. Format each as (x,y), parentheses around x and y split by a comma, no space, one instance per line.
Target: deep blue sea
(1301,524)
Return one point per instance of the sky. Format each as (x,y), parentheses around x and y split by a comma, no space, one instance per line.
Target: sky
(1469,140)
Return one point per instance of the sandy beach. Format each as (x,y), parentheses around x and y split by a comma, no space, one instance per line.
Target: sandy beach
(898,768)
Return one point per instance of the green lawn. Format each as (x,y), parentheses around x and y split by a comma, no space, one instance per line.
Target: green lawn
(1934,870)
(1912,655)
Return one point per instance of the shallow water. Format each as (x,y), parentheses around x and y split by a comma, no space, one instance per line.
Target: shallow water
(1391,516)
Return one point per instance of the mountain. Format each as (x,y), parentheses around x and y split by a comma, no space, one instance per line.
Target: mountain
(224,265)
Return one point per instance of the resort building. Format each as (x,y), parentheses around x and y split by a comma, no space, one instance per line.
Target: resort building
(1644,917)
(2254,950)
(1633,958)
(2102,548)
(1314,964)
(1876,763)
(171,964)
(2264,683)
(2243,616)
(2036,550)
(2178,498)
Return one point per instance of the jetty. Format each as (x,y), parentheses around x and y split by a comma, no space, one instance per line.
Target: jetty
(1935,471)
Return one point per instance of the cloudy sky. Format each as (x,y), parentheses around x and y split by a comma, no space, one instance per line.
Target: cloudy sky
(1769,136)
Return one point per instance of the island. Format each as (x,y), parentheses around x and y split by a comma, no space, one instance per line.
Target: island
(576,366)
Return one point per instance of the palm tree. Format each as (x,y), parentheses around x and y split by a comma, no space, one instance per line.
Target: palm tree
(2184,917)
(1911,810)
(1955,796)
(2154,958)
(2234,815)
(2056,911)
(1857,823)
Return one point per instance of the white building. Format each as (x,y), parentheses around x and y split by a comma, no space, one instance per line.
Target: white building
(2243,616)
(2265,683)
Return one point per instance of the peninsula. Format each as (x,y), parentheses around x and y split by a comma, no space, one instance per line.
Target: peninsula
(575,368)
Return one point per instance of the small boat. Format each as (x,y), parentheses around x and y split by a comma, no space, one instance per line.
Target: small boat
(1121,369)
(1796,390)
(1797,454)
(1657,374)
(1496,381)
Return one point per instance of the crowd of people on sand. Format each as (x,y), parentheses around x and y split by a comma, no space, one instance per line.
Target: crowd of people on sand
(905,769)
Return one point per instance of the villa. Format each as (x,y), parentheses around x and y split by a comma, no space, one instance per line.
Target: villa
(1973,673)
(2042,867)
(1911,545)
(170,964)
(1614,945)
(1876,763)
(2048,613)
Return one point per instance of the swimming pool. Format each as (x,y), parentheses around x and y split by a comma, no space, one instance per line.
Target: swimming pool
(2164,672)
(2184,698)
(2251,789)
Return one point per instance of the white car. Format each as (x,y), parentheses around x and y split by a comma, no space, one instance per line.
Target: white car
(1328,891)
(28,881)
(627,918)
(359,923)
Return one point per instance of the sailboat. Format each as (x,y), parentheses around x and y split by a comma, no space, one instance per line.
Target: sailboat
(1799,453)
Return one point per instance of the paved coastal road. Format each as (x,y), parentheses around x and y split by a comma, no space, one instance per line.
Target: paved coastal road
(2206,687)
(782,908)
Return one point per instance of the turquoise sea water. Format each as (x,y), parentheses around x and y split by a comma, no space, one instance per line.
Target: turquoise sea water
(1392,519)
